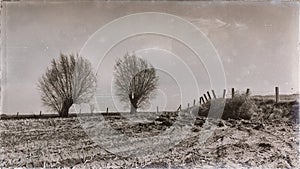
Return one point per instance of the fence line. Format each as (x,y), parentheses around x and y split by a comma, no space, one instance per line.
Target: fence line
(206,96)
(202,100)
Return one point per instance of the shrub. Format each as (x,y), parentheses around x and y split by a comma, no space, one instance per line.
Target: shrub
(239,107)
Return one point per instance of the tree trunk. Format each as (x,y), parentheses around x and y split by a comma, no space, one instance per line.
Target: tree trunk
(133,109)
(133,103)
(65,108)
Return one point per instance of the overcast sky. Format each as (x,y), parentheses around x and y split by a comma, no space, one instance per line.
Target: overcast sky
(256,42)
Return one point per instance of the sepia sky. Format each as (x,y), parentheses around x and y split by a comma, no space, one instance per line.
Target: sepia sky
(256,42)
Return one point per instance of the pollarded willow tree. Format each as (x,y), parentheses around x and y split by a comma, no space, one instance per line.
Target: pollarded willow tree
(135,81)
(69,80)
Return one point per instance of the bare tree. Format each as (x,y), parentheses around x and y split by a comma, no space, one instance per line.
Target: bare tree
(135,80)
(69,80)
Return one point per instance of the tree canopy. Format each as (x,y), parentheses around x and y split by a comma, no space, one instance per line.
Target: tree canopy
(135,81)
(69,80)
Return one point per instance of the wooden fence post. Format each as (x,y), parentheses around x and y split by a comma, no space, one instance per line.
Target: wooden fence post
(232,92)
(40,113)
(224,93)
(208,94)
(179,108)
(277,94)
(247,91)
(107,110)
(205,97)
(214,94)
(17,114)
(157,110)
(194,102)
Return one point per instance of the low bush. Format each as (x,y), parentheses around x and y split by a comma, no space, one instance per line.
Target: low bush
(243,106)
(239,107)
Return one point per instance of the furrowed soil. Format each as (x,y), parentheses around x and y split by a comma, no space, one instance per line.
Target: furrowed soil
(62,142)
